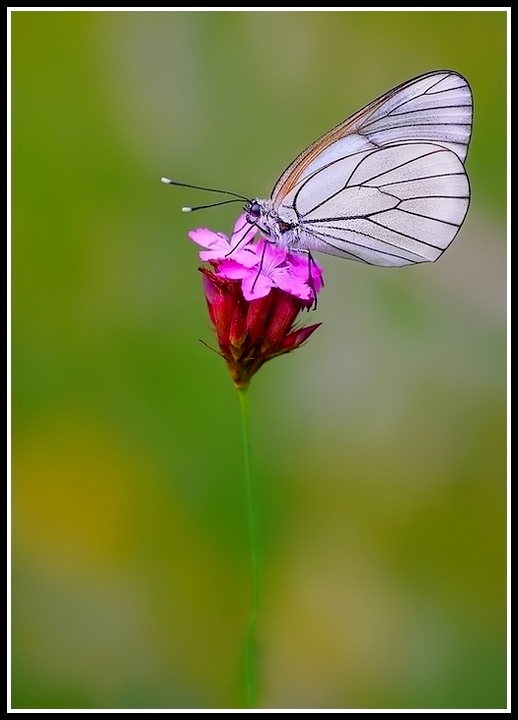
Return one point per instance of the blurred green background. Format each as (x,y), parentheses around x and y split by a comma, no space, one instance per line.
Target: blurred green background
(379,448)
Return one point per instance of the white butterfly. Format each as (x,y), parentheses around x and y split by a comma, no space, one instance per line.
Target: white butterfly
(387,186)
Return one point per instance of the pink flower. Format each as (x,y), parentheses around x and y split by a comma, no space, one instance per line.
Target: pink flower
(254,294)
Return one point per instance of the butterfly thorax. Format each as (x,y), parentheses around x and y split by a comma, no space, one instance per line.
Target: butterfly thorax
(282,231)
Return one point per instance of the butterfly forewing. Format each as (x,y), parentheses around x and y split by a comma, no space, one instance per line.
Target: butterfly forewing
(388,185)
(435,107)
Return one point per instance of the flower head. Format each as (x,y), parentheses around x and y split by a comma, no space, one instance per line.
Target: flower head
(254,293)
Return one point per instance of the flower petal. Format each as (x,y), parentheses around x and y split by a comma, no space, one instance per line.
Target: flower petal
(208,238)
(243,232)
(232,270)
(293,285)
(256,286)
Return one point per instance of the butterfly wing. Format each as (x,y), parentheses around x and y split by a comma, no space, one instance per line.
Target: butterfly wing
(387,186)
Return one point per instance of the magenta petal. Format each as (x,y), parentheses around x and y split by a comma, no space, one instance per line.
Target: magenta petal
(208,238)
(246,256)
(218,254)
(300,269)
(243,232)
(273,254)
(293,285)
(233,270)
(256,286)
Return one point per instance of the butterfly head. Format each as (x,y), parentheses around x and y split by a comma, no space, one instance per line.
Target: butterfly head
(253,210)
(265,216)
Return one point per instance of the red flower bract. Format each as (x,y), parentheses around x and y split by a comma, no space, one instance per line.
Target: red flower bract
(251,332)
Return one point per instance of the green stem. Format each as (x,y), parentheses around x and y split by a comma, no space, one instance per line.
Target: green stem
(250,644)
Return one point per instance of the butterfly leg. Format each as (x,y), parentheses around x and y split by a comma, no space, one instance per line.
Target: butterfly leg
(260,266)
(245,229)
(311,282)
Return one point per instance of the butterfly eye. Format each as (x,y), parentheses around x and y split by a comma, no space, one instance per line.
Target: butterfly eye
(253,209)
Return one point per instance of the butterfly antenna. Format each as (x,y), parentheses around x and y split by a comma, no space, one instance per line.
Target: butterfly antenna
(189,208)
(168,181)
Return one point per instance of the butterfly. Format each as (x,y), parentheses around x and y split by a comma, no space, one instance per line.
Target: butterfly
(387,186)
